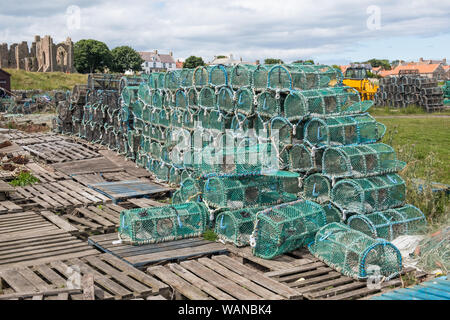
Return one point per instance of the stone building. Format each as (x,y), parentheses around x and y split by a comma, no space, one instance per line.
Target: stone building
(43,56)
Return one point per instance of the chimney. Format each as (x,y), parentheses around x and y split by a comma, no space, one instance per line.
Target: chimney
(421,59)
(257,62)
(171,53)
(231,56)
(241,59)
(156,51)
(444,61)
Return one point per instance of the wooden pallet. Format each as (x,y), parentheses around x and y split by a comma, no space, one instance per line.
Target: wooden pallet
(121,190)
(10,207)
(222,278)
(88,166)
(16,224)
(40,138)
(85,221)
(59,195)
(145,255)
(61,151)
(113,278)
(55,294)
(45,174)
(36,246)
(101,177)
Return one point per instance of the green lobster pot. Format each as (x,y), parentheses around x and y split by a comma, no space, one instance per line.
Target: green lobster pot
(371,194)
(155,150)
(219,75)
(317,187)
(172,80)
(390,224)
(219,121)
(189,118)
(177,118)
(360,161)
(240,124)
(161,170)
(201,77)
(245,101)
(225,100)
(332,213)
(144,93)
(154,116)
(175,176)
(281,130)
(241,75)
(354,253)
(164,117)
(190,188)
(157,99)
(147,113)
(161,224)
(286,227)
(259,77)
(207,98)
(181,99)
(186,77)
(153,80)
(192,96)
(236,226)
(168,99)
(343,130)
(304,159)
(269,104)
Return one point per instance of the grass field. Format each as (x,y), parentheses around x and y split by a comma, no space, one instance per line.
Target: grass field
(23,80)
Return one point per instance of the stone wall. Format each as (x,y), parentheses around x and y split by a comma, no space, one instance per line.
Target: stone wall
(42,56)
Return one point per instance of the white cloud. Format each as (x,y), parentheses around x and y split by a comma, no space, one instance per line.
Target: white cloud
(289,29)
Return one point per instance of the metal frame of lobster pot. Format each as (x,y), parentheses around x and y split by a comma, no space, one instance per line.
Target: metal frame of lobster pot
(343,130)
(366,195)
(354,253)
(161,224)
(360,161)
(317,187)
(390,224)
(286,227)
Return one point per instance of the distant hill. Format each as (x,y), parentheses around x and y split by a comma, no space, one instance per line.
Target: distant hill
(23,80)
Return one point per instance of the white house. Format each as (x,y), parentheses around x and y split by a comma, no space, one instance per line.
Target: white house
(156,62)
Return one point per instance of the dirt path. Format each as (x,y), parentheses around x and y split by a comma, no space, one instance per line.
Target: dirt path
(414,116)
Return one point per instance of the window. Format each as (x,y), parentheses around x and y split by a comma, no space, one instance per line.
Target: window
(154,64)
(170,65)
(164,65)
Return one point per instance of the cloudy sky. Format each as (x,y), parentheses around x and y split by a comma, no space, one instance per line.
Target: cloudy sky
(329,31)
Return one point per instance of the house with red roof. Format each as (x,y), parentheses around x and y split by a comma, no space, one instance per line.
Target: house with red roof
(157,62)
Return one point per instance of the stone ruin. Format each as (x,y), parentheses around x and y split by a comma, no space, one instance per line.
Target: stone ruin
(43,56)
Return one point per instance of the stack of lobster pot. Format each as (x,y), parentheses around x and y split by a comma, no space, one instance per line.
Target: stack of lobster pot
(409,89)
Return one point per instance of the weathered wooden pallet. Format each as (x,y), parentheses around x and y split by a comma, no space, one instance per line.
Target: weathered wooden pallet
(220,277)
(10,207)
(45,175)
(121,190)
(62,194)
(84,221)
(24,222)
(36,246)
(102,177)
(113,278)
(145,255)
(88,166)
(38,139)
(61,151)
(54,294)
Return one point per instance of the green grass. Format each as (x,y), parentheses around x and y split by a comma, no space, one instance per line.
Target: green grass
(415,139)
(210,235)
(23,80)
(410,110)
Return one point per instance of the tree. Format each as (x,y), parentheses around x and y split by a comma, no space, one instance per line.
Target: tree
(193,62)
(336,66)
(311,61)
(380,63)
(221,57)
(273,61)
(91,56)
(125,58)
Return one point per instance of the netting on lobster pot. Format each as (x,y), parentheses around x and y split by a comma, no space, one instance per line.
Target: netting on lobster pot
(390,224)
(241,75)
(317,187)
(240,192)
(286,227)
(175,175)
(176,118)
(181,99)
(157,99)
(164,117)
(192,96)
(186,76)
(168,99)
(225,101)
(304,159)
(190,189)
(219,121)
(153,80)
(130,94)
(332,213)
(259,77)
(354,253)
(219,75)
(144,93)
(161,170)
(240,124)
(160,224)
(207,98)
(172,79)
(236,226)
(269,104)
(360,161)
(371,194)
(343,130)
(155,150)
(245,101)
(281,130)
(261,127)
(201,77)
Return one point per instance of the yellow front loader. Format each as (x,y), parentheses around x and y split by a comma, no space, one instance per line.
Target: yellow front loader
(356,77)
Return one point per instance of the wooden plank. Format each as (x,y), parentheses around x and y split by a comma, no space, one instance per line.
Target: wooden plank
(61,223)
(16,281)
(258,278)
(87,166)
(243,281)
(335,290)
(38,294)
(179,284)
(199,282)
